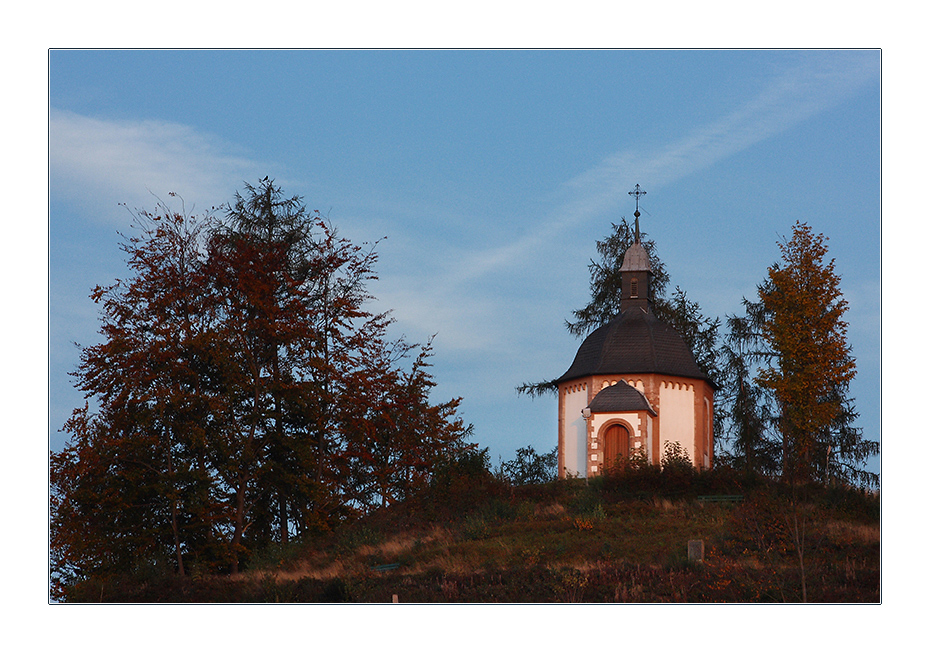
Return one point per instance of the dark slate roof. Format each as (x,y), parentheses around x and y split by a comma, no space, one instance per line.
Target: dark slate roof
(636,342)
(619,398)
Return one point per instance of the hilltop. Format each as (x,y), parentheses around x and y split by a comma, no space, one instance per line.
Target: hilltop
(613,539)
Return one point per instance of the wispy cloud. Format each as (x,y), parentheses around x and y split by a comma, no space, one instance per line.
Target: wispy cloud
(792,96)
(104,162)
(99,163)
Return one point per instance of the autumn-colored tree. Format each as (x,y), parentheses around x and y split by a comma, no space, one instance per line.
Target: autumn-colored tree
(796,335)
(132,483)
(394,437)
(236,398)
(806,331)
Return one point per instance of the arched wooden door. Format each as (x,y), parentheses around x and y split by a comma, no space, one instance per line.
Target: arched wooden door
(616,444)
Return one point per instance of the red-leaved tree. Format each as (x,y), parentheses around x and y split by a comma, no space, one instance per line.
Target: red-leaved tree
(242,396)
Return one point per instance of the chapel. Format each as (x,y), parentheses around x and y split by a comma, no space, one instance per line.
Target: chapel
(634,384)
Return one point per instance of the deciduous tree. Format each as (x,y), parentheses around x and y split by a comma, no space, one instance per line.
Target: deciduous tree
(796,334)
(136,470)
(241,395)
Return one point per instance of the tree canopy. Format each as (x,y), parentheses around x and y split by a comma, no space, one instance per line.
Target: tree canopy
(794,337)
(242,395)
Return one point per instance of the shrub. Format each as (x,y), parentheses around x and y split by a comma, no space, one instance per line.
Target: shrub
(631,477)
(530,467)
(460,483)
(675,457)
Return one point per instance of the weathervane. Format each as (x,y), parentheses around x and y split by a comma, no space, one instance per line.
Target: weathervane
(637,193)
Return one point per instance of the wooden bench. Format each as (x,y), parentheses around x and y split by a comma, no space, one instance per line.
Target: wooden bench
(391,566)
(720,498)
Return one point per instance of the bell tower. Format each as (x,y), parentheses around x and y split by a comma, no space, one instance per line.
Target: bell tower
(636,273)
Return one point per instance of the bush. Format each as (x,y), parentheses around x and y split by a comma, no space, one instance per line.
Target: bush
(530,468)
(461,482)
(632,477)
(675,477)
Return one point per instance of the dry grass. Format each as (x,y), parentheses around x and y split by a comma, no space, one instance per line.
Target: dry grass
(446,563)
(586,549)
(569,544)
(335,569)
(666,505)
(861,533)
(550,510)
(322,567)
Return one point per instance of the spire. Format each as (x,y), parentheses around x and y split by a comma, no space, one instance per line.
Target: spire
(636,273)
(637,193)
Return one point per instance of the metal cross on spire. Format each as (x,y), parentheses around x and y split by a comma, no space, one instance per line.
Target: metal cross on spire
(637,193)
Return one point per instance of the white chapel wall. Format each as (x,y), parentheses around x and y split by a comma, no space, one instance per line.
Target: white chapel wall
(676,413)
(600,419)
(708,428)
(576,431)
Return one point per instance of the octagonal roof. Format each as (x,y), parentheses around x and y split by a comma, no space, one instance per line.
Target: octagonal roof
(636,342)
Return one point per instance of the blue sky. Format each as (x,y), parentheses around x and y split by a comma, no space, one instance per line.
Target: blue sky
(491,174)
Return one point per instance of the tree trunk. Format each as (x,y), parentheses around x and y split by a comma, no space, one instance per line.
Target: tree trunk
(282,517)
(799,532)
(174,515)
(242,480)
(279,435)
(239,527)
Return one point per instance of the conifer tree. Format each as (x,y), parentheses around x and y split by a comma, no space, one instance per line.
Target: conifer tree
(604,304)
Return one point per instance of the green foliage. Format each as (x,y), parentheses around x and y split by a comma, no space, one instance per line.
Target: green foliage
(475,527)
(276,556)
(336,591)
(605,279)
(353,536)
(675,477)
(674,455)
(750,411)
(530,467)
(571,584)
(461,480)
(697,330)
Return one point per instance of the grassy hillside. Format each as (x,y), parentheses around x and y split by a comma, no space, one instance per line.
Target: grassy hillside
(613,540)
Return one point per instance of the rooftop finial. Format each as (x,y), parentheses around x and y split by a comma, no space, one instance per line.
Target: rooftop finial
(637,193)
